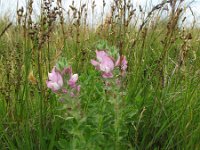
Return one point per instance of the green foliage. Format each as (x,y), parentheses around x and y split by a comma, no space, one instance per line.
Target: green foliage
(62,62)
(103,45)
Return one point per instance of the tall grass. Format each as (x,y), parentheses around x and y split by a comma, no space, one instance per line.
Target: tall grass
(157,106)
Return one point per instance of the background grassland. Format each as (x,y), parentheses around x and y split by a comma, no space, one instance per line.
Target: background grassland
(156,108)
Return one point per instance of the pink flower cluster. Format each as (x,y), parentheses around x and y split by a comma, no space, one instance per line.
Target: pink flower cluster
(106,64)
(56,81)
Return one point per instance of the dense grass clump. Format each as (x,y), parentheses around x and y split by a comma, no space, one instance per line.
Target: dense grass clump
(154,103)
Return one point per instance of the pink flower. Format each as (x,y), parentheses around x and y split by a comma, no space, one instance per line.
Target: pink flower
(78,88)
(72,81)
(55,81)
(67,70)
(100,55)
(121,61)
(107,75)
(105,64)
(72,94)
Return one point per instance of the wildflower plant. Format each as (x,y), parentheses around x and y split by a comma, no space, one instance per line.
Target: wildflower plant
(149,102)
(64,83)
(113,70)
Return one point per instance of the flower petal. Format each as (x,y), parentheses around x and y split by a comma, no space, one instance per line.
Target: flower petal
(107,65)
(100,55)
(107,75)
(55,80)
(52,76)
(53,86)
(72,81)
(59,79)
(94,63)
(78,88)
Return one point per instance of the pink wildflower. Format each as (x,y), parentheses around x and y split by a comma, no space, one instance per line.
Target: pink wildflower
(78,88)
(122,62)
(55,81)
(72,81)
(104,63)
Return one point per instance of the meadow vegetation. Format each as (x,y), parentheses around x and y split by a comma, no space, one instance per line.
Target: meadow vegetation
(155,104)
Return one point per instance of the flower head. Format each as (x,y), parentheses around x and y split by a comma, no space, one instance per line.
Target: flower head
(55,81)
(104,63)
(72,81)
(63,82)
